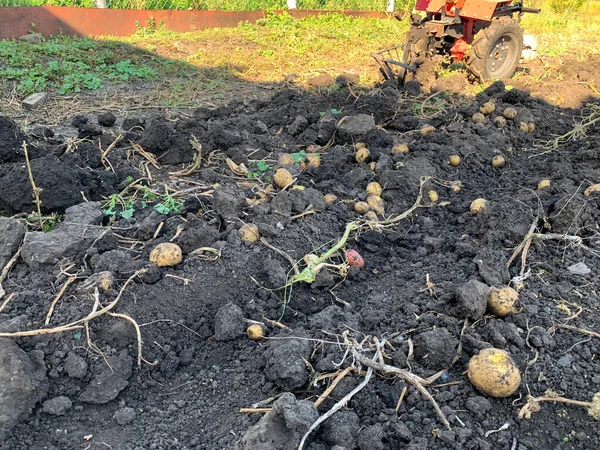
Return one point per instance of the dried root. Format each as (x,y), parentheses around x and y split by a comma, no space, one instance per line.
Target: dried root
(533,404)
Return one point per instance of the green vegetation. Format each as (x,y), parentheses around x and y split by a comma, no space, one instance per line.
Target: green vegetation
(124,205)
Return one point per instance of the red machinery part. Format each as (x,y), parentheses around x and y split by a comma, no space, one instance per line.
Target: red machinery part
(459,49)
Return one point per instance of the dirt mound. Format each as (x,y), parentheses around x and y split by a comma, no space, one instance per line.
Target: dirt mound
(418,304)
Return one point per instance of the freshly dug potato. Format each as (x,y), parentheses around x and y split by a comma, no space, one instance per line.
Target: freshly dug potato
(313,160)
(362,154)
(255,332)
(330,198)
(593,188)
(509,113)
(374,188)
(249,233)
(455,188)
(361,207)
(524,127)
(530,127)
(166,254)
(427,129)
(354,259)
(433,196)
(478,118)
(372,166)
(454,160)
(478,206)
(371,216)
(375,203)
(285,159)
(487,108)
(494,373)
(105,280)
(400,148)
(500,122)
(360,145)
(283,178)
(498,161)
(503,301)
(543,184)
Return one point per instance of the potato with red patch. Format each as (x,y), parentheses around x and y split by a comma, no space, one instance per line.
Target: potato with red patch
(354,259)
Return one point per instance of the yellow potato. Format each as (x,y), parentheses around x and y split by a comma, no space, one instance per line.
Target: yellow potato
(166,254)
(360,145)
(455,188)
(372,166)
(313,160)
(371,216)
(487,108)
(249,233)
(427,129)
(283,178)
(362,154)
(285,159)
(361,207)
(509,113)
(374,188)
(400,148)
(454,160)
(593,188)
(105,280)
(503,301)
(498,161)
(255,332)
(500,122)
(478,206)
(375,203)
(531,127)
(330,198)
(524,126)
(494,373)
(478,118)
(433,196)
(543,184)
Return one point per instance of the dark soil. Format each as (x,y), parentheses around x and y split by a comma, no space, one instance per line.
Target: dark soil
(193,316)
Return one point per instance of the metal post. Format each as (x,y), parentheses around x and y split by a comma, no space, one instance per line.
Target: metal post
(390,6)
(102,4)
(291,4)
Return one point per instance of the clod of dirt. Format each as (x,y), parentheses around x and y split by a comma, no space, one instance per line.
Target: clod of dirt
(229,322)
(197,234)
(347,79)
(107,119)
(353,128)
(79,121)
(478,405)
(435,349)
(227,202)
(157,136)
(342,429)
(283,426)
(285,364)
(471,299)
(11,235)
(89,130)
(299,124)
(57,406)
(124,416)
(11,140)
(326,128)
(75,366)
(22,384)
(321,80)
(110,378)
(370,438)
(492,267)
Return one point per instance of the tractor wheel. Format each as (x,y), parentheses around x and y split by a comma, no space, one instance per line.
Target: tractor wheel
(496,50)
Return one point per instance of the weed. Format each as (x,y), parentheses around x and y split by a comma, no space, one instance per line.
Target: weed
(119,205)
(261,168)
(168,204)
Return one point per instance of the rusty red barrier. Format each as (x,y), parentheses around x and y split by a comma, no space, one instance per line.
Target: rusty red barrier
(53,20)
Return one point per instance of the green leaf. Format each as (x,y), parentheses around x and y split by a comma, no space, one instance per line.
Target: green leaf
(262,166)
(127,213)
(77,335)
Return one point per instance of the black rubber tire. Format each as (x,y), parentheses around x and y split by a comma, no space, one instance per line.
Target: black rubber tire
(496,50)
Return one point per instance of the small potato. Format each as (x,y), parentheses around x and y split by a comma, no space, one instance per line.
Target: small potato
(371,216)
(362,154)
(360,145)
(166,254)
(593,188)
(530,127)
(427,129)
(478,118)
(249,233)
(354,259)
(330,198)
(498,161)
(454,160)
(542,184)
(503,301)
(285,159)
(282,178)
(361,207)
(478,206)
(372,166)
(313,160)
(255,332)
(494,373)
(500,122)
(400,148)
(509,113)
(487,108)
(374,188)
(375,203)
(524,127)
(433,196)
(455,188)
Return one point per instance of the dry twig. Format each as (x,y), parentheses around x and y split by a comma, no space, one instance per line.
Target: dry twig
(533,404)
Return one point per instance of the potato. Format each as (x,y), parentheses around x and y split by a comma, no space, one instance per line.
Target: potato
(433,196)
(330,198)
(285,159)
(372,166)
(509,113)
(530,127)
(494,373)
(593,188)
(400,148)
(478,206)
(360,145)
(361,207)
(362,154)
(255,332)
(524,126)
(498,161)
(283,178)
(455,188)
(500,122)
(371,216)
(313,160)
(375,203)
(166,254)
(454,160)
(374,188)
(487,108)
(543,184)
(478,118)
(503,301)
(105,280)
(249,233)
(427,129)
